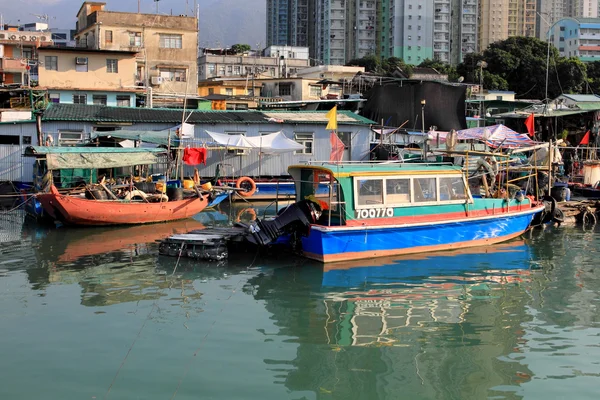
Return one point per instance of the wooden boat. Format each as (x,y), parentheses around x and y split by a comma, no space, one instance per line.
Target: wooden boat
(76,209)
(376,210)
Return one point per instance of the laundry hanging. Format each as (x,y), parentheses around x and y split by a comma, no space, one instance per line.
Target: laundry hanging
(194,156)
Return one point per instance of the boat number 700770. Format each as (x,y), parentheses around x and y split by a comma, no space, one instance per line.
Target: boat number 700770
(375,213)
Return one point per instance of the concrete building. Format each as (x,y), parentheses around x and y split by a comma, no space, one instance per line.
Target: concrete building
(275,64)
(501,19)
(167,46)
(89,76)
(60,37)
(552,11)
(412,30)
(19,56)
(577,37)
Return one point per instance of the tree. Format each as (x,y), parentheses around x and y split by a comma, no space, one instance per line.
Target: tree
(370,63)
(241,48)
(593,76)
(442,68)
(393,64)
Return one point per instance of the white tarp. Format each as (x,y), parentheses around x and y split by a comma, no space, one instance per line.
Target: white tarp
(272,143)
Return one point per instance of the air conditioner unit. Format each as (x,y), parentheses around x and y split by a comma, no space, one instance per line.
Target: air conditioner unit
(81,60)
(13,37)
(43,38)
(157,80)
(34,38)
(23,37)
(2,36)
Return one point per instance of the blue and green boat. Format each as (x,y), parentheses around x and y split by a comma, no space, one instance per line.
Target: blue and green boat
(389,209)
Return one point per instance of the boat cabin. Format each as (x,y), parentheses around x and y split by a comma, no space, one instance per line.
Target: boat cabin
(361,192)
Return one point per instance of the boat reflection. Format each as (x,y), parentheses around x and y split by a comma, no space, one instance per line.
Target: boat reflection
(68,245)
(400,324)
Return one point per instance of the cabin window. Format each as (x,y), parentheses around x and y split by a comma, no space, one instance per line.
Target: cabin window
(397,191)
(452,188)
(370,192)
(425,189)
(305,139)
(315,90)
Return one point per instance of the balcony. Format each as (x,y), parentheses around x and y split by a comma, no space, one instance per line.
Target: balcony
(11,65)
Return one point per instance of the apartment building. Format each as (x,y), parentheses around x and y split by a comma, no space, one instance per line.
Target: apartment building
(288,22)
(19,55)
(577,37)
(89,76)
(273,62)
(501,19)
(166,47)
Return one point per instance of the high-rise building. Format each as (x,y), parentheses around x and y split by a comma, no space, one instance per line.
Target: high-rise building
(287,22)
(501,19)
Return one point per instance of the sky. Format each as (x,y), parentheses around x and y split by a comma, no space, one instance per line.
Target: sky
(222,22)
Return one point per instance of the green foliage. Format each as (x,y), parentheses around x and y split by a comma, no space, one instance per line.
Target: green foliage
(593,76)
(442,68)
(519,64)
(370,63)
(241,48)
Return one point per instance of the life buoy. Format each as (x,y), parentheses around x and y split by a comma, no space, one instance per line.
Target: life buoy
(243,211)
(135,193)
(243,183)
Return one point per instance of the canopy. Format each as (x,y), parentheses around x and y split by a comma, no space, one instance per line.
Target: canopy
(156,137)
(272,143)
(496,136)
(94,157)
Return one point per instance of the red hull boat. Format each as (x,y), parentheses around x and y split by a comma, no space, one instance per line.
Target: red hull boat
(73,210)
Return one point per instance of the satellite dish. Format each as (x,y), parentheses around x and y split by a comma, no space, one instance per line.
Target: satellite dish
(460,79)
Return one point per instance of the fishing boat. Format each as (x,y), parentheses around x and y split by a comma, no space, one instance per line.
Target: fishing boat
(388,209)
(104,204)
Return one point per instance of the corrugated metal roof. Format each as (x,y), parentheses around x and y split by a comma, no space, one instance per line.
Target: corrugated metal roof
(590,105)
(41,150)
(582,97)
(370,168)
(97,113)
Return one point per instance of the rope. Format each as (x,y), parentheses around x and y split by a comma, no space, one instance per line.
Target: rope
(19,206)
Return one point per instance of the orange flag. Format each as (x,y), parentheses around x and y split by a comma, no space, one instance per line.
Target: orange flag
(586,138)
(529,124)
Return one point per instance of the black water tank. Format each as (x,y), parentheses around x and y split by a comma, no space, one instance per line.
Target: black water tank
(174,194)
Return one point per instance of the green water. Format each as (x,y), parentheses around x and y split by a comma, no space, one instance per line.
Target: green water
(96,313)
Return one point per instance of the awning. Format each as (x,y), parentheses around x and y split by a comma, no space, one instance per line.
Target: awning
(272,143)
(496,136)
(94,157)
(155,137)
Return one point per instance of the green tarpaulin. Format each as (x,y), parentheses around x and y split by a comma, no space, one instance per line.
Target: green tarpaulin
(100,160)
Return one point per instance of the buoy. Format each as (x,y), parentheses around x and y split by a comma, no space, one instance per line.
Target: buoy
(135,193)
(243,183)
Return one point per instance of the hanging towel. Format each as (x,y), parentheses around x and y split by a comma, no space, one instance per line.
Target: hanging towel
(194,156)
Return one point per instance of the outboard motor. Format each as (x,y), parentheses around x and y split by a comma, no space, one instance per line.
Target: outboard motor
(297,216)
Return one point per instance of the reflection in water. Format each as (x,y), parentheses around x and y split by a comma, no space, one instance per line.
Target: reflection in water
(507,321)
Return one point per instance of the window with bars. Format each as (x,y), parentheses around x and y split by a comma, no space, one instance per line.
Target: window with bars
(79,99)
(108,36)
(170,41)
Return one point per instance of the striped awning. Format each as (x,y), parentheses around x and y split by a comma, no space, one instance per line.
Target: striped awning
(496,136)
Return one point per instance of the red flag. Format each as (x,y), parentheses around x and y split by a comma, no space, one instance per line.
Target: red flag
(194,156)
(529,124)
(586,138)
(337,148)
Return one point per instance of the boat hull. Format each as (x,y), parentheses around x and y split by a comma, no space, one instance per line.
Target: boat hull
(78,211)
(343,243)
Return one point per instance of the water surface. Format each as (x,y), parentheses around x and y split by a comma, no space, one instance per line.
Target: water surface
(96,313)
